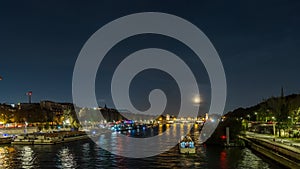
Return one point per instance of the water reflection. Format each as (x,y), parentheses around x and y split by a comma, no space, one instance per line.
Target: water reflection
(27,157)
(223,160)
(248,158)
(6,157)
(66,159)
(86,154)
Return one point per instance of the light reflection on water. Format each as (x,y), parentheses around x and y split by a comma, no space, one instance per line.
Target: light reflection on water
(6,156)
(86,154)
(27,157)
(66,159)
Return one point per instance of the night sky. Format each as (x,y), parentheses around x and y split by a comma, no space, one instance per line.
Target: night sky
(258,43)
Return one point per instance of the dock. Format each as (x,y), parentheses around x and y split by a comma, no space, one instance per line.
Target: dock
(49,138)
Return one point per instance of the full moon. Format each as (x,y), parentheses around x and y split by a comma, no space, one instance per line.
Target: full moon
(197,99)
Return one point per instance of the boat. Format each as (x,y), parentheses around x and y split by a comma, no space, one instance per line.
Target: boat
(187,145)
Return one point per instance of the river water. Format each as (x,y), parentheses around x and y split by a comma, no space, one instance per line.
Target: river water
(86,154)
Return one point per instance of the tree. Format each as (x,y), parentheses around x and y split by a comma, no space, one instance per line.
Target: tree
(263,112)
(70,115)
(6,116)
(280,107)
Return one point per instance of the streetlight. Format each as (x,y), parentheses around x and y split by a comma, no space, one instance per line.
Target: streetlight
(291,119)
(248,117)
(268,113)
(26,124)
(256,116)
(273,118)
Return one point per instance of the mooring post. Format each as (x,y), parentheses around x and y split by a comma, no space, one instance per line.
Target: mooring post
(227,135)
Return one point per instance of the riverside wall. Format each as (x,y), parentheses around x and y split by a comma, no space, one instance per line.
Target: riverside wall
(17,131)
(284,155)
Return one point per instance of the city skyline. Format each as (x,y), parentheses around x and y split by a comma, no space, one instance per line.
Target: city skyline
(256,41)
(159,84)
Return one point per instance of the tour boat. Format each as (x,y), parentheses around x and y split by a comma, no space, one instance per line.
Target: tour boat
(187,146)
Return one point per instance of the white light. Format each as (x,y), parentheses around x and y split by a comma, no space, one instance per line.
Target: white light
(197,99)
(67,121)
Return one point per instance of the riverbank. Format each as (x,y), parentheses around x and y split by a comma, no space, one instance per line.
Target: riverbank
(6,140)
(285,155)
(18,130)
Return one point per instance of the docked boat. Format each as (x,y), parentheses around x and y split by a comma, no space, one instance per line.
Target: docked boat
(187,145)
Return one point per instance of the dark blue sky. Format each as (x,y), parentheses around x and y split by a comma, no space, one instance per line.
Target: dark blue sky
(258,43)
